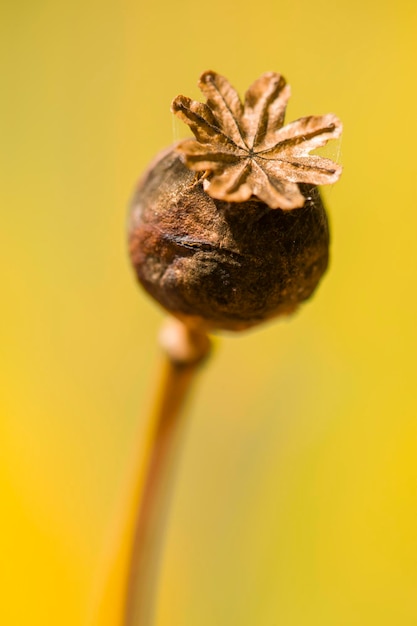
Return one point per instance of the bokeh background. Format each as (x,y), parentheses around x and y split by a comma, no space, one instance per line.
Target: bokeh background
(296,501)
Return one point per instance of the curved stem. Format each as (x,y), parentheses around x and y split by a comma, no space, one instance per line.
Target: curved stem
(185,349)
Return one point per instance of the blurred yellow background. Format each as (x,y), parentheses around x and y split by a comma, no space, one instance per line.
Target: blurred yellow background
(296,501)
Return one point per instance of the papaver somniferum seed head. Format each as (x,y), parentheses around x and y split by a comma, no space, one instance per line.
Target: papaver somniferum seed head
(229,230)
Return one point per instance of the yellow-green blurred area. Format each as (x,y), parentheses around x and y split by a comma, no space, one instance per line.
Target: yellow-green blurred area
(296,502)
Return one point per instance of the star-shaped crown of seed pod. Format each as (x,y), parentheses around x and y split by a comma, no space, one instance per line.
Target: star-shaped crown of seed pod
(244,149)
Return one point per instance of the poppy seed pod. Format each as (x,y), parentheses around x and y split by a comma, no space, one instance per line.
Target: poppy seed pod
(229,230)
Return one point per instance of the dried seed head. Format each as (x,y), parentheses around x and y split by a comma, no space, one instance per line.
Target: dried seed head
(207,245)
(210,260)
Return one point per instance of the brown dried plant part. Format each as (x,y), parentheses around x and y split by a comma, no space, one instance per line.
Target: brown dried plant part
(245,150)
(214,264)
(209,248)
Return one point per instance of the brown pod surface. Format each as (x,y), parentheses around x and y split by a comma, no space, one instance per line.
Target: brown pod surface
(229,265)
